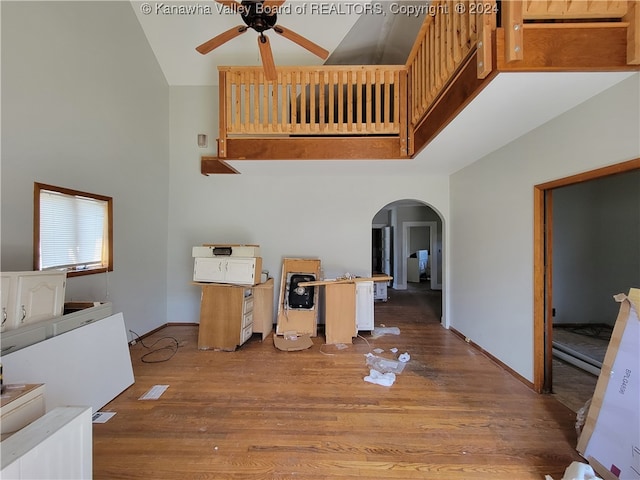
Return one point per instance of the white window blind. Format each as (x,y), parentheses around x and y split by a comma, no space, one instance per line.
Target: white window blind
(73,231)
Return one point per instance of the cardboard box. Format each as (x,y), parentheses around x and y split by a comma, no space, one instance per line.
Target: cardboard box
(610,439)
(292,343)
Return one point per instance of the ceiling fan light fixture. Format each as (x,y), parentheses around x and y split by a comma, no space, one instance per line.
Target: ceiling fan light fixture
(260,15)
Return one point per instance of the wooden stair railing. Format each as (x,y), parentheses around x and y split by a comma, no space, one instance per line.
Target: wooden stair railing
(448,38)
(392,112)
(512,36)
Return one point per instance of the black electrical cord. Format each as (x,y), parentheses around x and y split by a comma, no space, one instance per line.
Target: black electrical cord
(171,348)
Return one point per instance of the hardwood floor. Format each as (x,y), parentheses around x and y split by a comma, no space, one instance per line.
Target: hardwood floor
(573,386)
(260,413)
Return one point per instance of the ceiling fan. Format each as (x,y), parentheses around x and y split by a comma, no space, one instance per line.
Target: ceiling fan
(260,15)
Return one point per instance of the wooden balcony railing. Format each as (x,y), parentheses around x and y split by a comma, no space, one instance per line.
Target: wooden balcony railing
(328,100)
(393,111)
(446,39)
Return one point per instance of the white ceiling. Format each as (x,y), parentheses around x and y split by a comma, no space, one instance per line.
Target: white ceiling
(174,37)
(510,106)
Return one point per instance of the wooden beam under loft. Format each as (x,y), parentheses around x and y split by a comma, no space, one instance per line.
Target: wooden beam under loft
(215,165)
(304,148)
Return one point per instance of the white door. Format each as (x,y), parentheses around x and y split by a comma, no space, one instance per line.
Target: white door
(240,270)
(209,269)
(40,297)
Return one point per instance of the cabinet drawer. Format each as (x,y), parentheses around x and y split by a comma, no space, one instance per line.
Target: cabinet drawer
(16,339)
(247,319)
(246,333)
(248,305)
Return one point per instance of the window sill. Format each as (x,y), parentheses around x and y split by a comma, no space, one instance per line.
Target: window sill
(88,271)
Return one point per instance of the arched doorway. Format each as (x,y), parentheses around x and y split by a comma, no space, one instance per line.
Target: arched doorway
(407,241)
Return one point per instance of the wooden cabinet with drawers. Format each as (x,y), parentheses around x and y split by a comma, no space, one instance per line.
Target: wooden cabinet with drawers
(226,316)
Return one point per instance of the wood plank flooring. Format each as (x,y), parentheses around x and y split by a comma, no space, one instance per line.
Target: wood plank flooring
(260,413)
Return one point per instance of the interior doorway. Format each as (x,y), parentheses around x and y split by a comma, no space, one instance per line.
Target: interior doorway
(585,252)
(406,243)
(421,253)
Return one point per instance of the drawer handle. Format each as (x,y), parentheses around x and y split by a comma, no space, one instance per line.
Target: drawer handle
(24,314)
(4,315)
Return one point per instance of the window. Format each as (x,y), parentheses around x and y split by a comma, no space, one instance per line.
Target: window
(72,230)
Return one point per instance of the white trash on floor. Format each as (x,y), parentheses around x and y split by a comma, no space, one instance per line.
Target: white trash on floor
(404,357)
(577,471)
(384,365)
(384,379)
(379,331)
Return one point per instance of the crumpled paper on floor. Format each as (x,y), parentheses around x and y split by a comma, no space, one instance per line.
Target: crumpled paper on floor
(404,357)
(577,471)
(379,331)
(384,379)
(384,365)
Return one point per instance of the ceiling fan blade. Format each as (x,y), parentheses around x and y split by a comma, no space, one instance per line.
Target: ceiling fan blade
(303,42)
(267,58)
(218,40)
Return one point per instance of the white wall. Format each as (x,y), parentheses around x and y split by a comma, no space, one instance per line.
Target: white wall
(85,106)
(491,227)
(596,247)
(298,209)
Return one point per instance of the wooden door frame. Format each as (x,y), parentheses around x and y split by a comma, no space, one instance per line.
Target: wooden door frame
(542,265)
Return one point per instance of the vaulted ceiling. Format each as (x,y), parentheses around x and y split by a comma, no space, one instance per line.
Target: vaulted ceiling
(512,104)
(354,33)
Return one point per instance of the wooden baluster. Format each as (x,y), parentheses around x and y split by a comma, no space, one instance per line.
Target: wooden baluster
(633,32)
(245,120)
(380,83)
(321,101)
(311,85)
(293,97)
(341,109)
(359,99)
(464,30)
(223,87)
(285,100)
(312,102)
(370,95)
(332,77)
(265,85)
(387,113)
(433,61)
(237,121)
(349,86)
(449,40)
(484,60)
(423,75)
(303,103)
(458,39)
(275,101)
(401,92)
(512,22)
